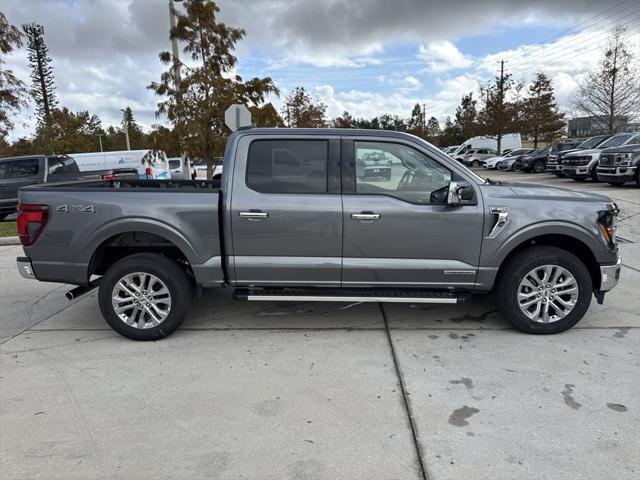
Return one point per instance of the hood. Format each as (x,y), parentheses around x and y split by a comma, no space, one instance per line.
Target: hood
(634,148)
(565,152)
(532,191)
(582,153)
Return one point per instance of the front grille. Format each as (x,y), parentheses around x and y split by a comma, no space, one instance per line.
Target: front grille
(577,162)
(608,159)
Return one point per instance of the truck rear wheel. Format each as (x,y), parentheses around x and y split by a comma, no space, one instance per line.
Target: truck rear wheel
(544,290)
(145,296)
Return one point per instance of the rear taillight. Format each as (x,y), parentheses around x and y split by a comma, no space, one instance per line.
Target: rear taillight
(108,176)
(30,222)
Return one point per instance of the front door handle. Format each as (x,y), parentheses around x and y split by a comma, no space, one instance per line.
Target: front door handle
(365,216)
(254,215)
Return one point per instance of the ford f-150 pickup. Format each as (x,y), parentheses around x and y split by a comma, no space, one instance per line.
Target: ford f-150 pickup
(291,220)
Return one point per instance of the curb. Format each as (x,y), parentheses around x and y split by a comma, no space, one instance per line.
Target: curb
(5,241)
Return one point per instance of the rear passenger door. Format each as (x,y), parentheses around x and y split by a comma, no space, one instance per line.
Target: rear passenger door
(18,173)
(286,211)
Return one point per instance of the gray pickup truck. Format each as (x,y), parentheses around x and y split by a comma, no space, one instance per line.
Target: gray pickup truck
(620,165)
(290,220)
(18,172)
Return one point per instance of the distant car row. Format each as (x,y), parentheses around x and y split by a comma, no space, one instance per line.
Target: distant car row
(608,158)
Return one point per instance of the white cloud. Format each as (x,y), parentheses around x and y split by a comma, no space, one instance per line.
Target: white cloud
(442,56)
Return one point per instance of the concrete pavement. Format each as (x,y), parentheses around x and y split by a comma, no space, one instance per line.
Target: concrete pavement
(319,391)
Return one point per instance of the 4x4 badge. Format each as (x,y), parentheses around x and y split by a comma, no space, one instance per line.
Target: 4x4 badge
(76,209)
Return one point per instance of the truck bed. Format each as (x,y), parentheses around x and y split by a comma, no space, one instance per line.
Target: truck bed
(85,219)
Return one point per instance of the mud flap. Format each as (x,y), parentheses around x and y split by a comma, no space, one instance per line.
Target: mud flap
(599,296)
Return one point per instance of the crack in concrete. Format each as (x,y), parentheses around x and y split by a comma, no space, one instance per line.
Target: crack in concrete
(407,403)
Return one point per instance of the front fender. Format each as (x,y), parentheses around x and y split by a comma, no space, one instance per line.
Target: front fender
(493,257)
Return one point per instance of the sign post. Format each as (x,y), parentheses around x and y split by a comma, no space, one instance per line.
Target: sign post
(237,116)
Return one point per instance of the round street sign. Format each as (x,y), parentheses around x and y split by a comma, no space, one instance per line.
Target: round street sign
(237,116)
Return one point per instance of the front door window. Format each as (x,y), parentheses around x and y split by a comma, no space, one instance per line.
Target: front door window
(401,172)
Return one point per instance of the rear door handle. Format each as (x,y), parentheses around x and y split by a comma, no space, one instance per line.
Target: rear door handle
(254,215)
(365,216)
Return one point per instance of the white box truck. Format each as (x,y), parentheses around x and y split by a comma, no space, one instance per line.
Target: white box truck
(155,160)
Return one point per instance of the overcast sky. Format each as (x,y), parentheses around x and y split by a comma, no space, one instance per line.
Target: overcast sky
(364,56)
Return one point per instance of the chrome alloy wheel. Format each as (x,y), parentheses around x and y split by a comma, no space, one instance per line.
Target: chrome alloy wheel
(141,300)
(548,293)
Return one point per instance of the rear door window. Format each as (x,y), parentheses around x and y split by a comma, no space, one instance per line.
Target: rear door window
(29,167)
(288,166)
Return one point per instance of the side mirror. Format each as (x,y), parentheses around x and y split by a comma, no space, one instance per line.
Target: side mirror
(460,193)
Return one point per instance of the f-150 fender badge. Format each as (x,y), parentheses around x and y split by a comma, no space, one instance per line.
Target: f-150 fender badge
(76,209)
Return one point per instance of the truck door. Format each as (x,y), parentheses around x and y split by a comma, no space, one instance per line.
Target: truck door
(400,232)
(286,211)
(15,174)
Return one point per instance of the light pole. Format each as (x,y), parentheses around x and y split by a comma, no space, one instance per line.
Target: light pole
(175,50)
(125,125)
(100,135)
(174,44)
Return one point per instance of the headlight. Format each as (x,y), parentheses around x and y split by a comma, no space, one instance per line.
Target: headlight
(624,160)
(607,227)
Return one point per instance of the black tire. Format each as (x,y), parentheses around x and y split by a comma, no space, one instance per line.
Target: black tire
(594,175)
(167,271)
(559,174)
(516,167)
(538,166)
(517,267)
(637,176)
(475,163)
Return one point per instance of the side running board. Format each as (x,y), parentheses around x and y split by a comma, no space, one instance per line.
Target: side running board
(349,295)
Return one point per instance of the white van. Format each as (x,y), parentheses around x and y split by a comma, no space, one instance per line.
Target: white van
(510,141)
(138,159)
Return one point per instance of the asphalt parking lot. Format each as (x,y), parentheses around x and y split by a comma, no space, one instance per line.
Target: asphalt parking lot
(322,391)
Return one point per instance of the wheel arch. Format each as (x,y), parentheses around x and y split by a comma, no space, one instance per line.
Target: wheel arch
(570,243)
(120,239)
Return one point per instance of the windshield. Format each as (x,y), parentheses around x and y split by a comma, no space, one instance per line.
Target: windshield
(592,142)
(542,151)
(615,141)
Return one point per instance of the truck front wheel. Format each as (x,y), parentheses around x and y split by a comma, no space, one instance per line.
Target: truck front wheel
(145,296)
(544,290)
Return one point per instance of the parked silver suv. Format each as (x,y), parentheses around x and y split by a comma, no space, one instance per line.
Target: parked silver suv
(476,156)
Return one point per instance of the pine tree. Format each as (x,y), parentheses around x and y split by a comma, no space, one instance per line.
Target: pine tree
(43,89)
(466,119)
(540,112)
